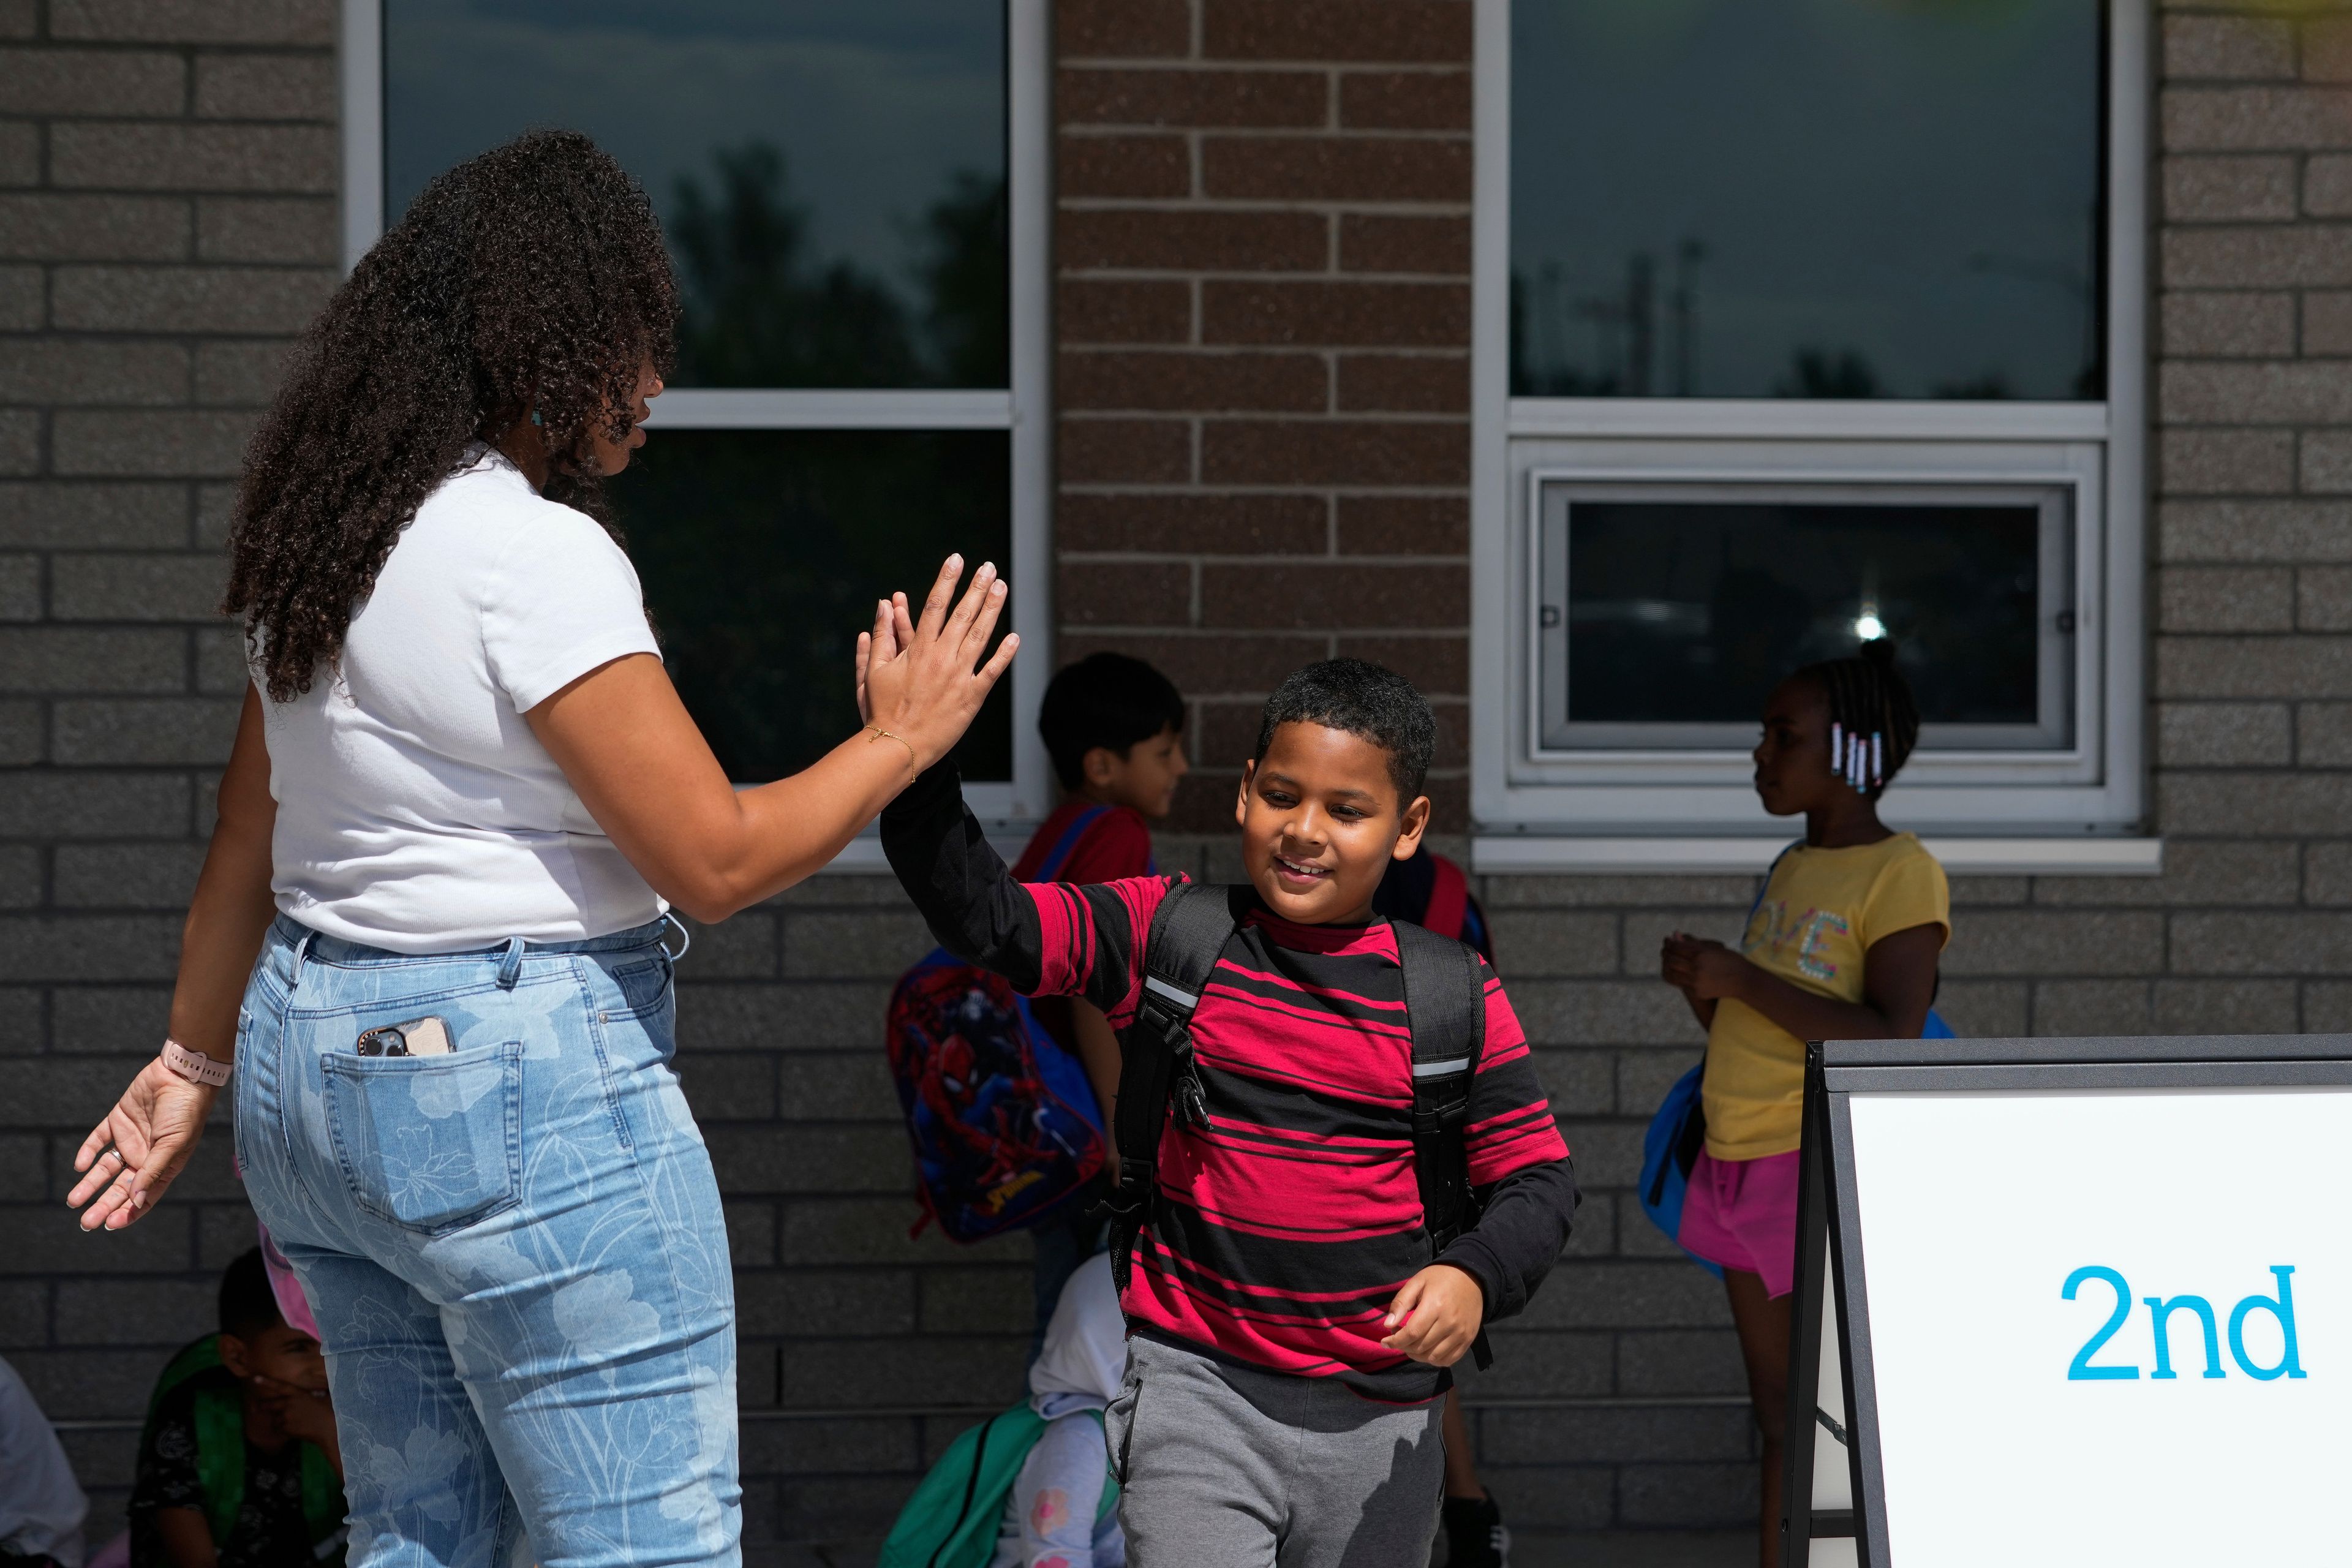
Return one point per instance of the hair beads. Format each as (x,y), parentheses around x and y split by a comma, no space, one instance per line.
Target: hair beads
(1873,720)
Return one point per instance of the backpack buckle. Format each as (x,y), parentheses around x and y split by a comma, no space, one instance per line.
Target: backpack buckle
(1124,1204)
(1440,1116)
(1191,1100)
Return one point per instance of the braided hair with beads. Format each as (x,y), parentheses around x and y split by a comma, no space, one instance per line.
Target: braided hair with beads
(1873,718)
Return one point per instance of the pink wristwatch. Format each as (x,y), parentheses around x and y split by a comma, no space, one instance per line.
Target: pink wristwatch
(194,1066)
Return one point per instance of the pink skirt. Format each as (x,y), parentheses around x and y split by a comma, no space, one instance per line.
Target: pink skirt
(1742,1214)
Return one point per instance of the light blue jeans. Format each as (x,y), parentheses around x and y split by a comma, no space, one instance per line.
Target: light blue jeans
(515,1251)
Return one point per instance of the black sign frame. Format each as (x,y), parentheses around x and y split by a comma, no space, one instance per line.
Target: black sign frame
(1829,1218)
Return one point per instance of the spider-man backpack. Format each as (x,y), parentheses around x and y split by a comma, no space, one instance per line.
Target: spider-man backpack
(1005,1126)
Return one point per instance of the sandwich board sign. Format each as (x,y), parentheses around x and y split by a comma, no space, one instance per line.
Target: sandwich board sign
(2070,1301)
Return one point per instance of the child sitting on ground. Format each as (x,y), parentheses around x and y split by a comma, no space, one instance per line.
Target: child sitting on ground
(1842,945)
(1056,1515)
(1115,729)
(1031,1487)
(1292,1322)
(239,1466)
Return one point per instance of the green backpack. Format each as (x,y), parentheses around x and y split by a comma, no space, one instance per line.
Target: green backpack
(952,1520)
(218,1410)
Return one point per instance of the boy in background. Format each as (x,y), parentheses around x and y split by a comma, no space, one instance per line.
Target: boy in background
(1115,729)
(1290,1317)
(259,1386)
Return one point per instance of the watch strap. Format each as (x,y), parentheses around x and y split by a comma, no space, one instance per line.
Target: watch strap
(194,1066)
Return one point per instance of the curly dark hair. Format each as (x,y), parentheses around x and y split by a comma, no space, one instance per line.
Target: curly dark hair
(529,282)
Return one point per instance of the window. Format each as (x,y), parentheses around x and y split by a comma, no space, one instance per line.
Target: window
(1806,198)
(1801,321)
(1669,612)
(854,198)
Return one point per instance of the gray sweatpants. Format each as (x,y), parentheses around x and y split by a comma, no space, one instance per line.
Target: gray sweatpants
(1228,1467)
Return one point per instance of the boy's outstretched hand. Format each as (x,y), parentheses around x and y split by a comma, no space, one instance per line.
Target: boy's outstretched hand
(1436,1316)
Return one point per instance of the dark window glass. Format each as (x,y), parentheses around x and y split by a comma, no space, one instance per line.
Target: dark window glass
(831,176)
(1807,198)
(762,552)
(1669,622)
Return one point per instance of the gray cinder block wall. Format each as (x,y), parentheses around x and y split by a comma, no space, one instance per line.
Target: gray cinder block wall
(167,190)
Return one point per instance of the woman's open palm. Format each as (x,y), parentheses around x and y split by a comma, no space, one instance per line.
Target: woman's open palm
(924,679)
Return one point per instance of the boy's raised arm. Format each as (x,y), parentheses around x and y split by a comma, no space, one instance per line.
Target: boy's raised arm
(957,880)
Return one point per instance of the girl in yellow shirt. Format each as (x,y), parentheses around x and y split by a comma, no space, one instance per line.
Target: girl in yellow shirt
(1842,945)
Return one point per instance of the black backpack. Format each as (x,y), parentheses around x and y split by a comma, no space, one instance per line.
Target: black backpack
(1445,1007)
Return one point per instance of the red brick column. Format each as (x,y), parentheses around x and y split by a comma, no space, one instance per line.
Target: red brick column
(1262,249)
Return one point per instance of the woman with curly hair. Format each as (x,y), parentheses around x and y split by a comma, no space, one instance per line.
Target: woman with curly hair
(429,932)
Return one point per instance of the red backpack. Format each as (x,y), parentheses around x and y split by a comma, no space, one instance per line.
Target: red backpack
(1005,1130)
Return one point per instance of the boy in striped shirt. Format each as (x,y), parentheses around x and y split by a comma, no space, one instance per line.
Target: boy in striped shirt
(1291,1330)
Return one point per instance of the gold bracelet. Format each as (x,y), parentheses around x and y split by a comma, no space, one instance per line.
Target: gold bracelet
(880,733)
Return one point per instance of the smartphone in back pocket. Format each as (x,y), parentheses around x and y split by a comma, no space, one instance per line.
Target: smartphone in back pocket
(426,1037)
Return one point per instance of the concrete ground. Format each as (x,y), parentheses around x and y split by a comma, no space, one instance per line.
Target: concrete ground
(1637,1549)
(1615,1549)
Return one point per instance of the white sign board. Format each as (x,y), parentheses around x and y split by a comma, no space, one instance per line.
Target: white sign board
(2104,1324)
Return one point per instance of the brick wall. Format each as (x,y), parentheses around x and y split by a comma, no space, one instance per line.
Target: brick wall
(166,219)
(2253,527)
(1263,250)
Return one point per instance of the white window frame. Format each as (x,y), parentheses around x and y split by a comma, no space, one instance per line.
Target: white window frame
(2079,810)
(1023,408)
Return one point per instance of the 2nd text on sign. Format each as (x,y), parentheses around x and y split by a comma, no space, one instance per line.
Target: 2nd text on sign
(2160,1310)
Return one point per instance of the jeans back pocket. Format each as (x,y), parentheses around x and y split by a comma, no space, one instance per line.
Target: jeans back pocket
(644,983)
(430,1143)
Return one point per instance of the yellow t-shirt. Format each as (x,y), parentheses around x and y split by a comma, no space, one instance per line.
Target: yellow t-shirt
(1819,913)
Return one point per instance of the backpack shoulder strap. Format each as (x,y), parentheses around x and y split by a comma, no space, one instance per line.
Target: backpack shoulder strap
(1449,897)
(1189,932)
(1050,869)
(1445,1007)
(1765,886)
(219,1416)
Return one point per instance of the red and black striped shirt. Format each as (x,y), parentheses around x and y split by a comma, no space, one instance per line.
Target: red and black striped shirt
(1280,1231)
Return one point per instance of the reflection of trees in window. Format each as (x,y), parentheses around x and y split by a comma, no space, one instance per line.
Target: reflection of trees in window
(1625,331)
(760,312)
(1990,387)
(1818,373)
(763,551)
(969,280)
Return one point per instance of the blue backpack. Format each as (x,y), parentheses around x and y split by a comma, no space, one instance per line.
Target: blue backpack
(1005,1130)
(1678,1132)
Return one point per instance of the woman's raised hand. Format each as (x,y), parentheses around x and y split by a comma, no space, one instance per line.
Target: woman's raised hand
(923,679)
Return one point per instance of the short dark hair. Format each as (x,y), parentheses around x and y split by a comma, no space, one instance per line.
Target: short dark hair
(1364,700)
(247,1305)
(1105,700)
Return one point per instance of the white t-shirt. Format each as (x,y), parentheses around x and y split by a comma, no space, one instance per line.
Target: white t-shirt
(416,811)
